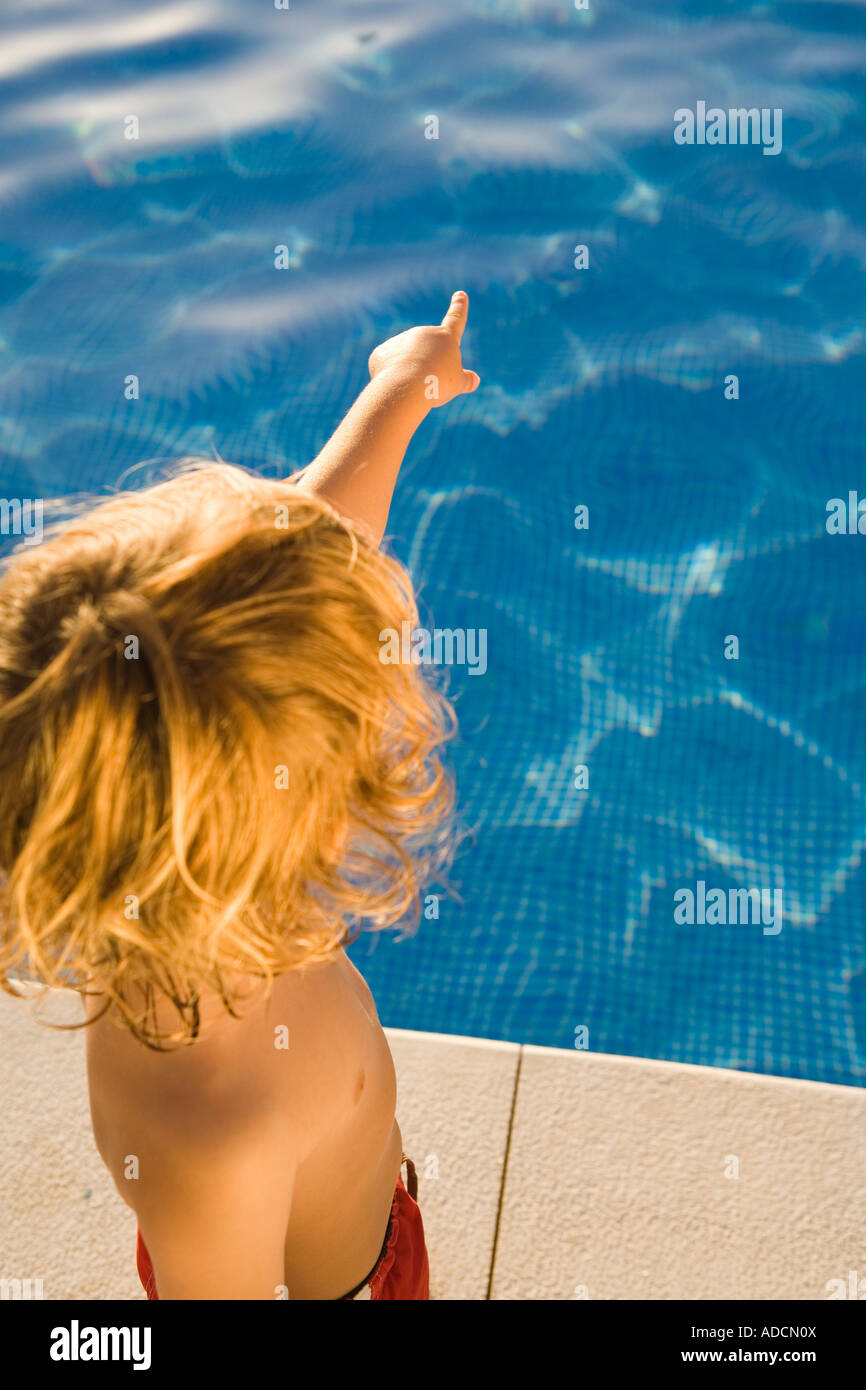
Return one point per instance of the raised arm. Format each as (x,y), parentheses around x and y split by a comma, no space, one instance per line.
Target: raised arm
(410,374)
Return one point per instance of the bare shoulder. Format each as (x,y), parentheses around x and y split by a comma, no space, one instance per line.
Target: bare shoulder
(200,1147)
(286,1064)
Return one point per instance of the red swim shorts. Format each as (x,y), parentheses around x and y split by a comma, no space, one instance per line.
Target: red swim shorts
(401,1271)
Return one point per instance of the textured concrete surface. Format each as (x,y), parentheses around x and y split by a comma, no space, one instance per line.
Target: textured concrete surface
(620,1177)
(61,1219)
(454,1099)
(620,1183)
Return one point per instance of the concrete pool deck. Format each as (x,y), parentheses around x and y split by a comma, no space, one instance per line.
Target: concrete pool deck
(543,1174)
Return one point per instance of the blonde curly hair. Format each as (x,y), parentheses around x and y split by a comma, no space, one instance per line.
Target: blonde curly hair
(206,771)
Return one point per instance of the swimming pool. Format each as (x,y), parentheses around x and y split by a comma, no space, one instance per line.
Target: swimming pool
(153,258)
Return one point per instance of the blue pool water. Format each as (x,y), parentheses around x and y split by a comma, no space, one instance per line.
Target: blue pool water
(602,387)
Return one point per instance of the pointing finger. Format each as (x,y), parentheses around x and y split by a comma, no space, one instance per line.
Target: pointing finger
(458,310)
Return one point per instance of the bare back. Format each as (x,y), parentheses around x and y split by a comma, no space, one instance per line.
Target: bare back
(318,1149)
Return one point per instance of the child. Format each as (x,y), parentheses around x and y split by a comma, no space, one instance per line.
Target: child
(205,770)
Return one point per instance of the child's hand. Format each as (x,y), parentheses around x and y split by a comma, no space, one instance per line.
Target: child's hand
(357,469)
(430,356)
